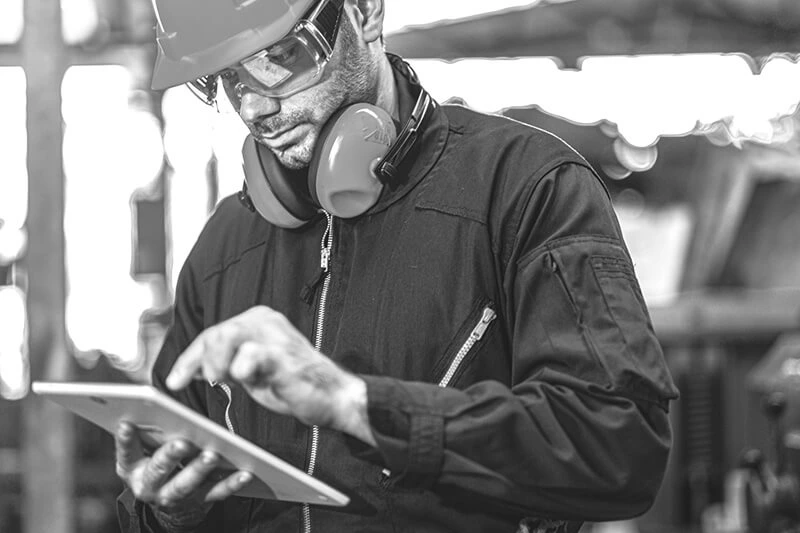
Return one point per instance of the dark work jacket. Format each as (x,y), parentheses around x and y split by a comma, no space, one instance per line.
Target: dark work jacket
(555,415)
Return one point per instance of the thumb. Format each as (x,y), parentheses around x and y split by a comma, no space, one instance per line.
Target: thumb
(129,449)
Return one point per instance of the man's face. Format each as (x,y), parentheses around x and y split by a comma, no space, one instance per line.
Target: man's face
(291,126)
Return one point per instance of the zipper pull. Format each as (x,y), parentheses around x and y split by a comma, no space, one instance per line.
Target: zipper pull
(324,260)
(488,316)
(327,244)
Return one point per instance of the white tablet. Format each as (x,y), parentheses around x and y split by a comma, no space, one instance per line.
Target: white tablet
(161,418)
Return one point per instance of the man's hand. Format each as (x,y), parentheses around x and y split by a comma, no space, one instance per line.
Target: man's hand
(185,494)
(280,369)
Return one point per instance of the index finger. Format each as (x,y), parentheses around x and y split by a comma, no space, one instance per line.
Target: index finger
(187,365)
(210,352)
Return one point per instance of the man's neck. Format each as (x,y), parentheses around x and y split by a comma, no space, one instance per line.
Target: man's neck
(387,89)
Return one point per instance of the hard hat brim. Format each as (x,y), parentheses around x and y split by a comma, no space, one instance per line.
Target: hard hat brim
(179,61)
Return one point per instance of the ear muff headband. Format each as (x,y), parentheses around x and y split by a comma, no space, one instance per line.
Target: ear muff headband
(387,167)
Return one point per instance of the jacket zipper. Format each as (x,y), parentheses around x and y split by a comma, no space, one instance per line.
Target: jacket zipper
(477,334)
(227,390)
(556,270)
(326,247)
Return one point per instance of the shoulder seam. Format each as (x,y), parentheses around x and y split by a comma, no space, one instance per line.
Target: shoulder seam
(225,265)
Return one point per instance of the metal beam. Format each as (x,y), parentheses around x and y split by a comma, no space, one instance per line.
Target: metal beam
(725,195)
(594,27)
(48,433)
(131,55)
(727,316)
(10,56)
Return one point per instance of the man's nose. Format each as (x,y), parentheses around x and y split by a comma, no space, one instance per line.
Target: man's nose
(254,106)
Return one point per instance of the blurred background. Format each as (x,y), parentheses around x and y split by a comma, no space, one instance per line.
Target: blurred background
(687,108)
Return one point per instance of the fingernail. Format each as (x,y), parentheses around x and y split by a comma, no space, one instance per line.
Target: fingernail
(173,381)
(208,457)
(245,477)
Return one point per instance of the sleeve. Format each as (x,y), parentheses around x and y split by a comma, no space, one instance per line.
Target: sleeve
(582,432)
(135,516)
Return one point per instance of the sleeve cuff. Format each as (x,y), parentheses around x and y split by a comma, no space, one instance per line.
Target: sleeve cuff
(137,517)
(408,430)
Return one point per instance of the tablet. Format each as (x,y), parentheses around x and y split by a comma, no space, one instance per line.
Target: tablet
(161,418)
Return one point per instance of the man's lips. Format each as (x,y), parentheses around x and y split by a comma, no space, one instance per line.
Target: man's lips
(278,138)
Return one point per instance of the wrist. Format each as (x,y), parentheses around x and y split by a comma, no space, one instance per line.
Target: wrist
(353,417)
(180,520)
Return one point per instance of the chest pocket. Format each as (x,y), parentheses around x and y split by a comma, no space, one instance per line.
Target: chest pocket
(458,362)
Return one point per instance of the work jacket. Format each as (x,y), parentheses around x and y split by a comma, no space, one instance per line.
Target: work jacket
(514,380)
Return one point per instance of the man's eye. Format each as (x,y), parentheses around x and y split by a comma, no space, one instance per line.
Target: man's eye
(283,56)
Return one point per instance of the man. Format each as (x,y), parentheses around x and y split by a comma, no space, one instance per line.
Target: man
(472,353)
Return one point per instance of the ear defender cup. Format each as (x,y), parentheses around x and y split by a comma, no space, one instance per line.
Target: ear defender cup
(341,176)
(276,193)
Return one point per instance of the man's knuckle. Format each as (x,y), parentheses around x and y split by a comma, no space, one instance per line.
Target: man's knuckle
(262,311)
(158,468)
(141,491)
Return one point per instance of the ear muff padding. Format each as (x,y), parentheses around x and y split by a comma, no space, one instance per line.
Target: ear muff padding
(341,175)
(277,194)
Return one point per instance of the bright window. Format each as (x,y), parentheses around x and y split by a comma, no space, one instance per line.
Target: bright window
(110,152)
(13,211)
(11,21)
(646,97)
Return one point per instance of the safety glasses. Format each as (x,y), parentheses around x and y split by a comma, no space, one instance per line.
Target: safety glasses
(286,67)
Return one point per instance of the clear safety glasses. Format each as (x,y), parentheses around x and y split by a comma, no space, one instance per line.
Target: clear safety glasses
(289,66)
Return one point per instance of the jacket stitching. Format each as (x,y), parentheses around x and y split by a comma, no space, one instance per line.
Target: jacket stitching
(469,214)
(549,246)
(238,259)
(535,180)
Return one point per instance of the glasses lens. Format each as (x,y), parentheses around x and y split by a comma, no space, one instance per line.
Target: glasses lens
(286,67)
(285,62)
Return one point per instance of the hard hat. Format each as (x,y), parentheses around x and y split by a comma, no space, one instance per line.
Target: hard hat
(199,38)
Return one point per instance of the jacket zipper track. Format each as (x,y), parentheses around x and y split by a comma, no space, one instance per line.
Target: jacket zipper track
(229,395)
(326,248)
(475,335)
(556,270)
(227,390)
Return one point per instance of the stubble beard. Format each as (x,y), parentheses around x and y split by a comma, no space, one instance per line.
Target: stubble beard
(354,81)
(299,155)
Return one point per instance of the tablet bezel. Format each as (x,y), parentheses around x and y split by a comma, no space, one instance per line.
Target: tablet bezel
(107,404)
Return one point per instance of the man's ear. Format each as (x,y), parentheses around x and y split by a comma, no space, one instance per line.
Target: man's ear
(369,15)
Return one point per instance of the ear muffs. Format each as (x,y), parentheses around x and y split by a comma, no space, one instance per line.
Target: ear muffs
(358,150)
(272,189)
(342,175)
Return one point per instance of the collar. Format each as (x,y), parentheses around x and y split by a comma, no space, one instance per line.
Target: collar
(430,143)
